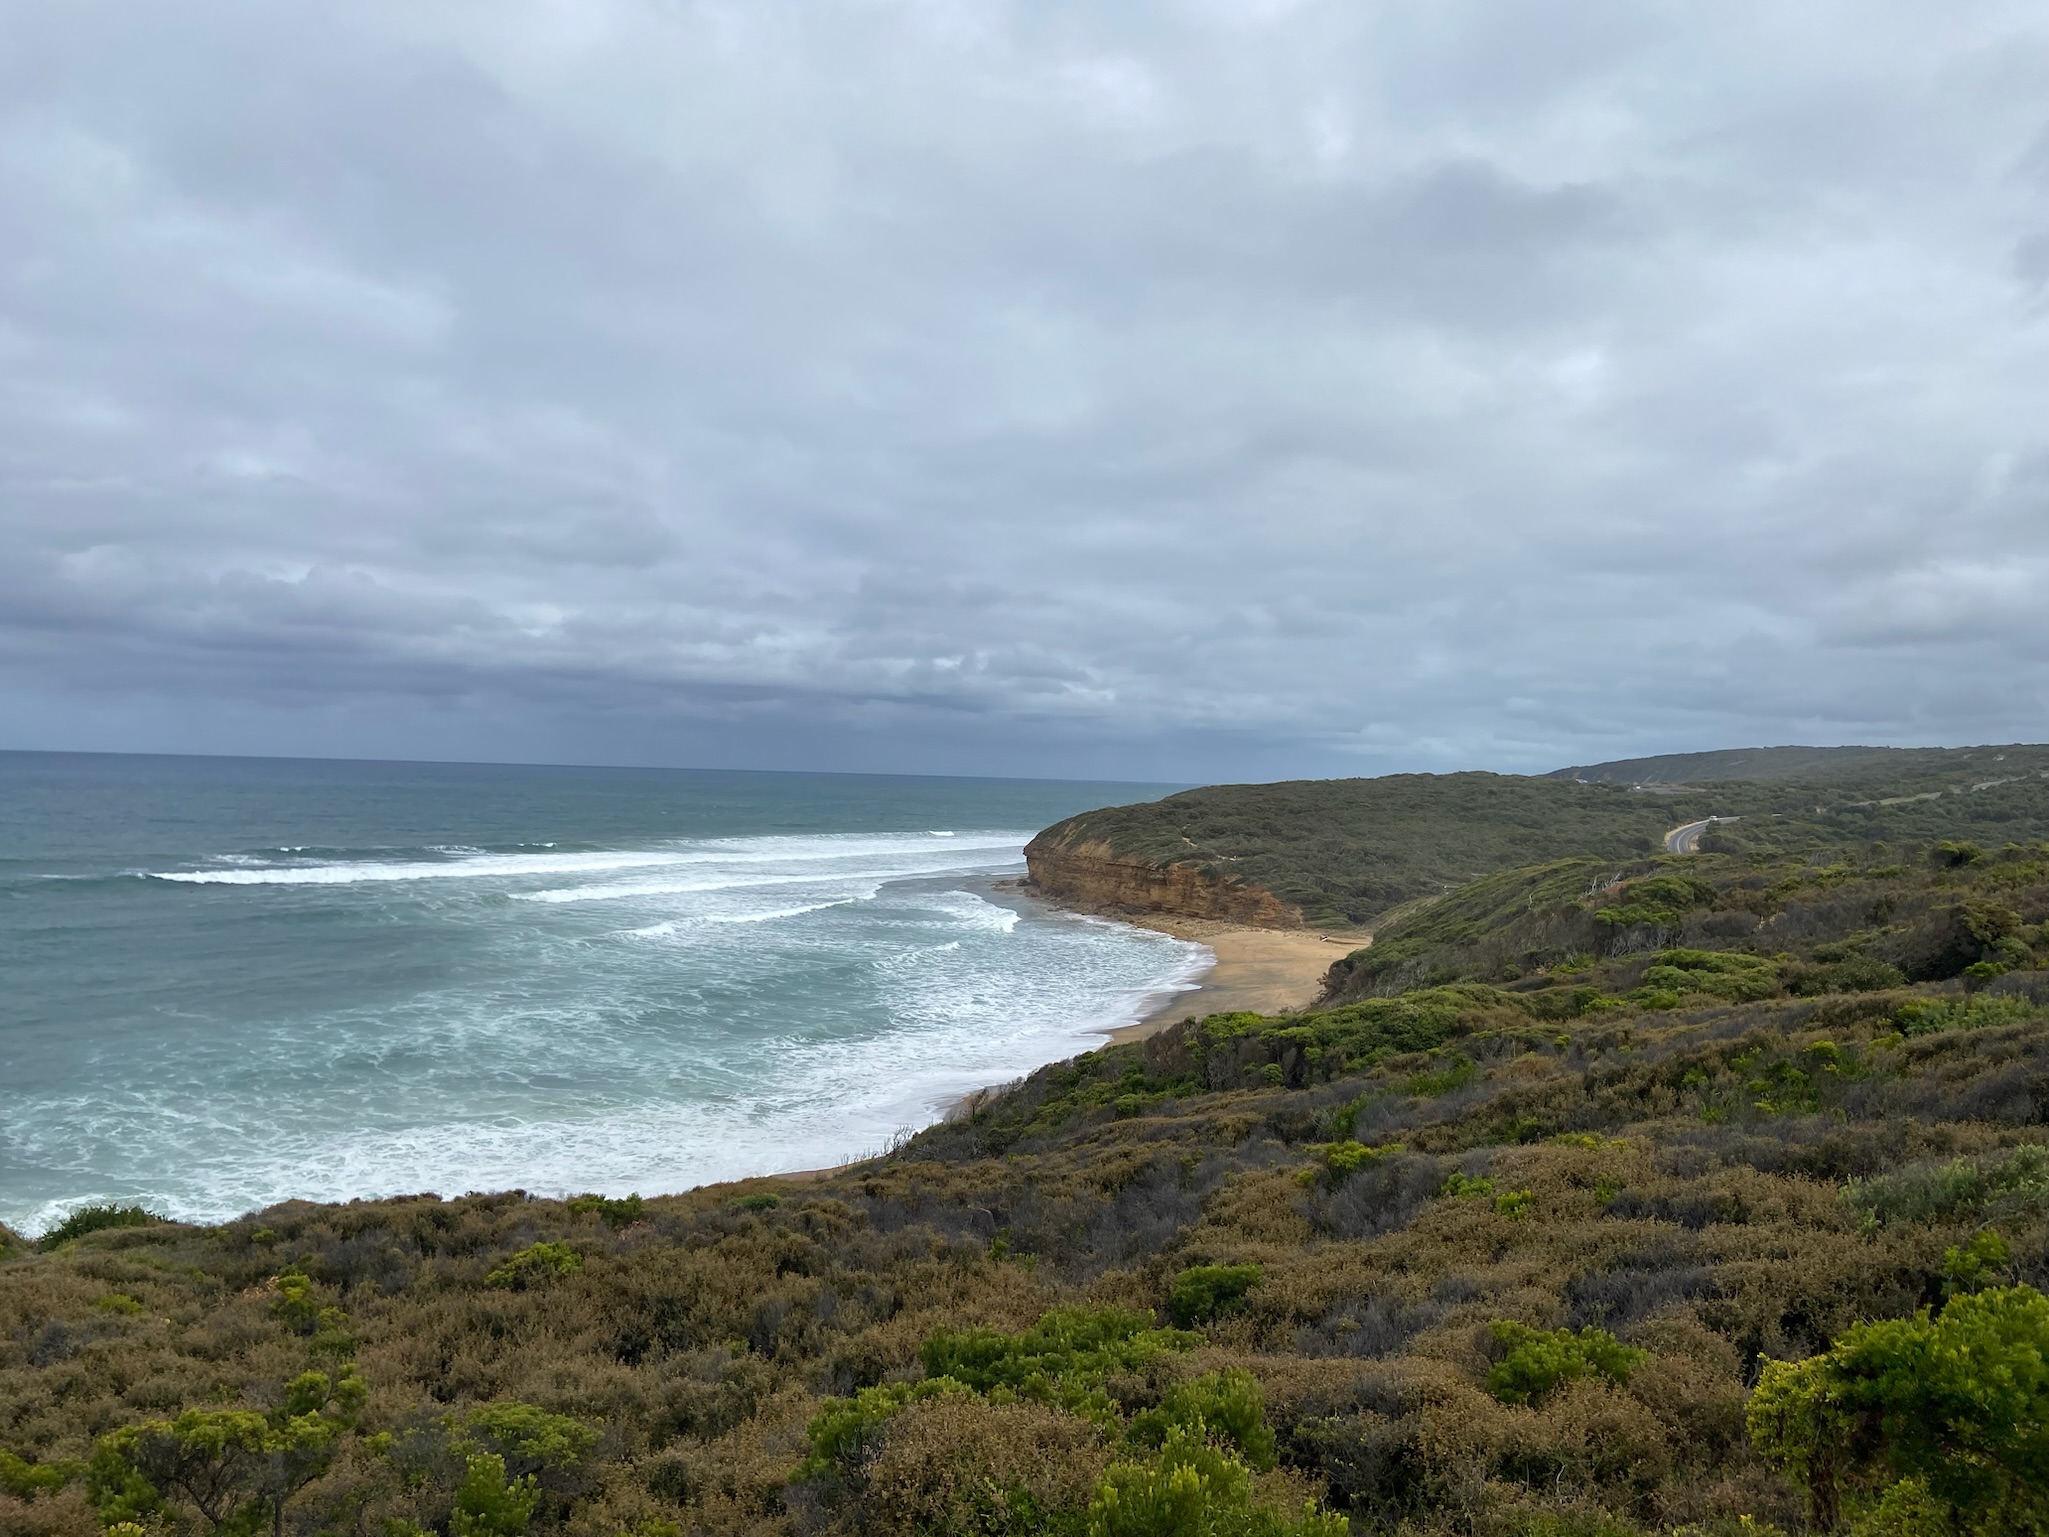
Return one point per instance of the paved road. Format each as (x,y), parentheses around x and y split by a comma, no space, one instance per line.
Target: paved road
(1686,840)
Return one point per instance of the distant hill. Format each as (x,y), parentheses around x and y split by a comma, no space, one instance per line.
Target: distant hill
(1840,765)
(1340,853)
(1335,852)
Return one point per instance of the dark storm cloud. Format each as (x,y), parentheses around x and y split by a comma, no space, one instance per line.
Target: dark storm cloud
(1164,390)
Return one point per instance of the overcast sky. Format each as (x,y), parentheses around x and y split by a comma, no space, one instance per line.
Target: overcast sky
(1182,392)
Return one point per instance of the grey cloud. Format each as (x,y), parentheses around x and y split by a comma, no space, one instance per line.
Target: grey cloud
(1166,391)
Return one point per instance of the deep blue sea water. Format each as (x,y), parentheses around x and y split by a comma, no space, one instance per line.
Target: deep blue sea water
(226,982)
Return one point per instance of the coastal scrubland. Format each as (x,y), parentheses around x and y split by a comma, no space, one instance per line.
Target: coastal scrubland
(1340,853)
(1609,1195)
(1923,768)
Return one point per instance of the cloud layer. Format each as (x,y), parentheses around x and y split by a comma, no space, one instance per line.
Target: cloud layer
(1177,391)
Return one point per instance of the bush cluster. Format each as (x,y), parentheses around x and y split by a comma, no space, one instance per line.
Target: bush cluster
(1188,1465)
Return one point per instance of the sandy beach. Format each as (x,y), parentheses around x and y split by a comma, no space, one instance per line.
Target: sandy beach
(1265,971)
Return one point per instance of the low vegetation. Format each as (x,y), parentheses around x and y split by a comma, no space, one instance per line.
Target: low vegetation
(1607,1198)
(1919,769)
(1355,851)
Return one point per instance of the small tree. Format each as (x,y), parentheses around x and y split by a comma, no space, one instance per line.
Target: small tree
(1958,1405)
(488,1504)
(236,1467)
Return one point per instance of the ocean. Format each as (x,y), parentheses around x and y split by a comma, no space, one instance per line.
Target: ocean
(229,982)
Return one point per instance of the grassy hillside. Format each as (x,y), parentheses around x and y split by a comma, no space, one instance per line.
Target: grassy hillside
(1346,851)
(1506,1246)
(1926,912)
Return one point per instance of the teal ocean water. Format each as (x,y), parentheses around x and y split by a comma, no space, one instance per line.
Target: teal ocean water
(227,982)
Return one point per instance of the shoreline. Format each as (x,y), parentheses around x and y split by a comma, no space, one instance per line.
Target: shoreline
(1259,971)
(1251,970)
(1255,970)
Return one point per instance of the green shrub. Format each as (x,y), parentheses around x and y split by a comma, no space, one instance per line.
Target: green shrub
(1194,1489)
(620,1212)
(1539,1360)
(1907,1509)
(1592,1141)
(1974,1266)
(487,1503)
(1931,1016)
(237,1467)
(24,1479)
(119,1303)
(1205,1292)
(1457,1074)
(1955,1404)
(1728,975)
(531,1440)
(1062,1359)
(1338,1161)
(2001,1186)
(1185,1491)
(1657,902)
(296,1305)
(1226,1407)
(96,1219)
(763,1200)
(1466,1186)
(1515,1204)
(844,1433)
(533,1265)
(1851,974)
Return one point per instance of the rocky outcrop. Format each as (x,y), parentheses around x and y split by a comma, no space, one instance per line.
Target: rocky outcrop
(1077,871)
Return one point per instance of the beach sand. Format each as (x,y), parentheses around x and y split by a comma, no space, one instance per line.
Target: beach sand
(1263,971)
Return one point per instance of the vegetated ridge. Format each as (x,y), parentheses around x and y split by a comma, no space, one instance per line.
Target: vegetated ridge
(1924,767)
(1345,852)
(1699,1196)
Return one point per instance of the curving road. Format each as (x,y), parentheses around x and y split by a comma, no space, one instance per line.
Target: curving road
(1686,839)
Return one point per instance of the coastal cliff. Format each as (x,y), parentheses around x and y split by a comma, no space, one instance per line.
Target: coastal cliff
(1070,867)
(1345,853)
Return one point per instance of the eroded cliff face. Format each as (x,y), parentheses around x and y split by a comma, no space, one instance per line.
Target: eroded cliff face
(1085,873)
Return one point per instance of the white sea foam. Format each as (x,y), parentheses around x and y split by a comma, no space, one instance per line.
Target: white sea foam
(465,863)
(777,912)
(954,1026)
(765,1004)
(471,867)
(977,911)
